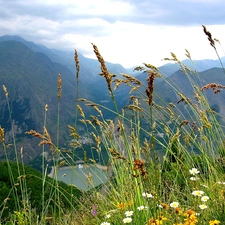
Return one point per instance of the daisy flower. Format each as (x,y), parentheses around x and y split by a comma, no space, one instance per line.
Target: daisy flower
(197,193)
(174,204)
(194,171)
(204,198)
(203,206)
(129,213)
(127,220)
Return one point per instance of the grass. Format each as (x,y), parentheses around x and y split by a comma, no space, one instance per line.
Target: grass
(164,165)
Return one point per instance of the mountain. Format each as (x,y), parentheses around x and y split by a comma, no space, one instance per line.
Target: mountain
(30,77)
(30,73)
(196,65)
(182,84)
(31,81)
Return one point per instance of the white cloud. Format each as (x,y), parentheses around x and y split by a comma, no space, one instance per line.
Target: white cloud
(125,32)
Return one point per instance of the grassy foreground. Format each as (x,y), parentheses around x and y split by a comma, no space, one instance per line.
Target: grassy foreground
(164,166)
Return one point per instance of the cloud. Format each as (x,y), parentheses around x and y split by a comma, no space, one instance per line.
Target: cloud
(126,31)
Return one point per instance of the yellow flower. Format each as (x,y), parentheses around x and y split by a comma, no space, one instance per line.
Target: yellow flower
(191,220)
(120,205)
(214,222)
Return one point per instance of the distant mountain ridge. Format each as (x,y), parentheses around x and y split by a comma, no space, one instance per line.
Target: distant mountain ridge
(30,71)
(66,58)
(30,76)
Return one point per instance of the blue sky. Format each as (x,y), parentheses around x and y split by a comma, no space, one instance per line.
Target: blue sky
(128,32)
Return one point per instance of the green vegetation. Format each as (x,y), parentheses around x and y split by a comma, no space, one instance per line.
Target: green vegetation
(165,156)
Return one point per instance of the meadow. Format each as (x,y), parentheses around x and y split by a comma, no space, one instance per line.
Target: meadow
(168,171)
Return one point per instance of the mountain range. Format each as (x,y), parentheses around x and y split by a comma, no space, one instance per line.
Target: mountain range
(30,72)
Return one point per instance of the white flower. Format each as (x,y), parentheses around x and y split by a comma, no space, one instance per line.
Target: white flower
(147,195)
(194,178)
(140,208)
(197,193)
(105,223)
(174,204)
(219,182)
(203,206)
(127,220)
(205,198)
(194,171)
(160,206)
(129,213)
(108,216)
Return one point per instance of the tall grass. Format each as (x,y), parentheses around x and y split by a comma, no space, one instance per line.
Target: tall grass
(165,161)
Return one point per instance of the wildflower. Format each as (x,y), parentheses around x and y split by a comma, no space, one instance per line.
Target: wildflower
(178,210)
(140,208)
(105,223)
(205,198)
(160,206)
(147,195)
(189,212)
(174,204)
(165,206)
(160,220)
(127,220)
(192,219)
(120,205)
(194,171)
(203,206)
(194,178)
(197,193)
(214,222)
(219,182)
(108,216)
(129,213)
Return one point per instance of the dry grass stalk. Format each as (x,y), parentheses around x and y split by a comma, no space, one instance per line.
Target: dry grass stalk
(188,55)
(73,132)
(209,35)
(2,135)
(130,79)
(46,139)
(98,110)
(59,87)
(150,66)
(139,166)
(105,73)
(5,90)
(204,119)
(183,99)
(149,90)
(116,154)
(184,122)
(34,134)
(215,87)
(96,121)
(170,112)
(117,82)
(97,140)
(77,63)
(175,59)
(81,111)
(133,107)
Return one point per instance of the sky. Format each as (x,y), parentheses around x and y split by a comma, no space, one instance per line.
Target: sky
(128,32)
